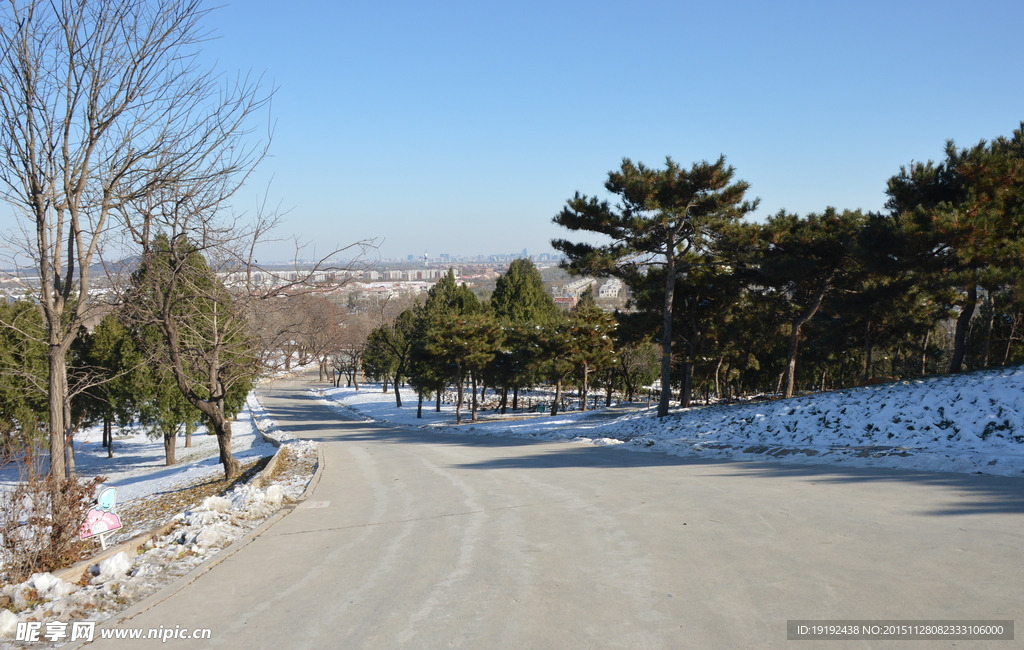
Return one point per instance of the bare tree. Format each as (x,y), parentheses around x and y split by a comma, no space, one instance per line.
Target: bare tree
(203,336)
(323,329)
(200,288)
(104,106)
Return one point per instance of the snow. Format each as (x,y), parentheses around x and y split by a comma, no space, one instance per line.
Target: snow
(138,470)
(971,422)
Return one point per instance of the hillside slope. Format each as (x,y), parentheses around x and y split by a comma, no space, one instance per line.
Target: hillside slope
(972,422)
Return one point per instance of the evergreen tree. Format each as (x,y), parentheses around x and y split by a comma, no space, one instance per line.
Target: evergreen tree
(962,221)
(520,303)
(520,297)
(593,349)
(203,340)
(799,262)
(389,349)
(462,345)
(636,365)
(663,217)
(446,301)
(24,409)
(122,383)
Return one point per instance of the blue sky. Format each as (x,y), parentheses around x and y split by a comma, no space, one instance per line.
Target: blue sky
(463,127)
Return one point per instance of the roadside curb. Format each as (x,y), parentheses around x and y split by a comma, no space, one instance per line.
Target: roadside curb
(177,585)
(131,546)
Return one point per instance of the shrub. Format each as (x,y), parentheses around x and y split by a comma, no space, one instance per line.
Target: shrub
(39,523)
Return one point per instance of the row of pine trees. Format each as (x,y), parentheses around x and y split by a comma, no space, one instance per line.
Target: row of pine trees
(935,283)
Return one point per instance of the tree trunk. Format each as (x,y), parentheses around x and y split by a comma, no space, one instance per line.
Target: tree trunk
(963,322)
(988,330)
(1009,341)
(504,400)
(789,375)
(558,397)
(222,427)
(419,404)
(57,390)
(686,392)
(718,371)
(515,397)
(169,458)
(398,394)
(924,354)
(869,348)
(666,328)
(585,388)
(460,396)
(473,401)
(108,436)
(69,457)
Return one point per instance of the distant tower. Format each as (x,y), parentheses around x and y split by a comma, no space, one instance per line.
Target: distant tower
(426,260)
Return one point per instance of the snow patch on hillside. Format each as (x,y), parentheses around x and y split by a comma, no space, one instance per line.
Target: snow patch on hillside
(971,422)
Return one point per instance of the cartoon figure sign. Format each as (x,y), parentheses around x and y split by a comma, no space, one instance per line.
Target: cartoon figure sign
(101,518)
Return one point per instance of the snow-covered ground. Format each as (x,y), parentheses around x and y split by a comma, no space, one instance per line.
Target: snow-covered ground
(137,471)
(972,422)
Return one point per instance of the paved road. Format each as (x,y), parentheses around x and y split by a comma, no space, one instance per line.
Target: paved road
(414,539)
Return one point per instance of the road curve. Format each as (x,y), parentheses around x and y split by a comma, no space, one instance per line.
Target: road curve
(419,539)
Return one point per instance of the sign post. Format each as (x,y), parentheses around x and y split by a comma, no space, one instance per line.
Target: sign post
(101,519)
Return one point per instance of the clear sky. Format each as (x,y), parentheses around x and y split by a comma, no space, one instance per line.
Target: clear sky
(463,126)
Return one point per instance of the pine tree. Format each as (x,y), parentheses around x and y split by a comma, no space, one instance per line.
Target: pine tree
(446,302)
(203,340)
(520,297)
(122,382)
(593,350)
(462,345)
(24,408)
(389,349)
(962,221)
(800,261)
(663,216)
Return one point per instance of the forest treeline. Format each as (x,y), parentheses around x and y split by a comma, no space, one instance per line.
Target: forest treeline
(736,307)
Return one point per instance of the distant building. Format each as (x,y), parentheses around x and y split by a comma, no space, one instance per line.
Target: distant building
(576,288)
(565,303)
(611,289)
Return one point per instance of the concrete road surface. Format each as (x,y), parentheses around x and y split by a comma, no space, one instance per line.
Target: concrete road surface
(418,539)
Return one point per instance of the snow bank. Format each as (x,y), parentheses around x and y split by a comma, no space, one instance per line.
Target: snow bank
(120,580)
(970,422)
(137,469)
